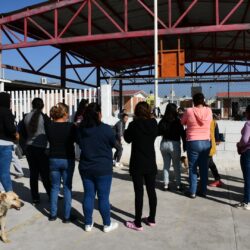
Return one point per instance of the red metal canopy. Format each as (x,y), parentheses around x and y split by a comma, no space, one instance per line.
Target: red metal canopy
(118,34)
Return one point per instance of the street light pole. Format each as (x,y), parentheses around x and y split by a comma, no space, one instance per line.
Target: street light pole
(156,51)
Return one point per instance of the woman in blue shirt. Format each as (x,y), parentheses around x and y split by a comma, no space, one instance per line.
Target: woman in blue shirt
(96,140)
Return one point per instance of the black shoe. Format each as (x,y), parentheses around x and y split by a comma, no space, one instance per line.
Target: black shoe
(66,220)
(70,219)
(35,202)
(52,218)
(203,195)
(179,188)
(190,195)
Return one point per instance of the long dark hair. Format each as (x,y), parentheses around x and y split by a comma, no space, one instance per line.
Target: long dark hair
(37,106)
(4,100)
(142,110)
(171,113)
(170,116)
(91,116)
(81,108)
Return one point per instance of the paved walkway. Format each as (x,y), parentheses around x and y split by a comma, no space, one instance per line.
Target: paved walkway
(182,223)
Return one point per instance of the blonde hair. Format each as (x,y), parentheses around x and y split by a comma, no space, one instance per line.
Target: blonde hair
(59,111)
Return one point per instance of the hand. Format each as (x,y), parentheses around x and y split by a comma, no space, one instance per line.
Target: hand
(17,136)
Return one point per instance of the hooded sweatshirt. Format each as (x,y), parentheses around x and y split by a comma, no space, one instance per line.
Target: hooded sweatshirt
(198,121)
(7,121)
(142,134)
(96,150)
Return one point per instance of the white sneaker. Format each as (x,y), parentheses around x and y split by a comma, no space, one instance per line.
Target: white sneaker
(88,228)
(246,206)
(117,164)
(240,205)
(111,227)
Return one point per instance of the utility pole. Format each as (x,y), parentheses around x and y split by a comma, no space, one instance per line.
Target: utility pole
(156,51)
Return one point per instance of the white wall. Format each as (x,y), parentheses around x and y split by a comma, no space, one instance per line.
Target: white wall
(226,156)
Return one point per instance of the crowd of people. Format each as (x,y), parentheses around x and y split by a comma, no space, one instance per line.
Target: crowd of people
(49,145)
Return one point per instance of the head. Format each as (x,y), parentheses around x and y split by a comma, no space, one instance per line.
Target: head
(142,110)
(37,104)
(11,200)
(4,100)
(248,112)
(60,111)
(82,106)
(199,99)
(171,112)
(92,116)
(124,117)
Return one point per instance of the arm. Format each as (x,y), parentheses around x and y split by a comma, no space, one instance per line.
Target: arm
(245,135)
(161,128)
(74,133)
(183,137)
(128,133)
(216,134)
(9,125)
(184,118)
(119,129)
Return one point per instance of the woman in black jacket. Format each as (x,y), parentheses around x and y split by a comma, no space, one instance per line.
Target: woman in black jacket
(142,132)
(7,136)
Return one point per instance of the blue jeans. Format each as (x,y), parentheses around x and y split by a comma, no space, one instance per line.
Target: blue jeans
(5,160)
(198,153)
(61,169)
(171,150)
(245,166)
(100,185)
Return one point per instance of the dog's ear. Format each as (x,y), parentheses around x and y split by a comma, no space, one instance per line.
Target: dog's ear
(3,196)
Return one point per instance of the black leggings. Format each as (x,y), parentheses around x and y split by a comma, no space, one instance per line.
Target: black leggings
(39,165)
(213,169)
(118,152)
(138,188)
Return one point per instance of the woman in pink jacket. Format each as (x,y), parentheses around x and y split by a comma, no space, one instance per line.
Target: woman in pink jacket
(198,120)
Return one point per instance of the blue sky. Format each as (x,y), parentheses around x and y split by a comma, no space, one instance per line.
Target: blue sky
(39,55)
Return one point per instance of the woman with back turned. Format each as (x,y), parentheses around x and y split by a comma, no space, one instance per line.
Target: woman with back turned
(36,124)
(96,140)
(61,136)
(198,121)
(172,132)
(142,132)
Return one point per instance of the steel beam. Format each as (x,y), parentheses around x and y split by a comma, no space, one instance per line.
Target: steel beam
(130,35)
(20,69)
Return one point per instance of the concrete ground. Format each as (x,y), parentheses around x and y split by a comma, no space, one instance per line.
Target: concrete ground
(182,223)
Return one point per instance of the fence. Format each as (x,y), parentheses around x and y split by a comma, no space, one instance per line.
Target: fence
(21,100)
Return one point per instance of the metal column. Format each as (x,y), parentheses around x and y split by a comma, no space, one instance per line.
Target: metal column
(156,51)
(98,83)
(63,68)
(120,96)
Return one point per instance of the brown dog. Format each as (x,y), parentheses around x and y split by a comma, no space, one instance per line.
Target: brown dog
(7,201)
